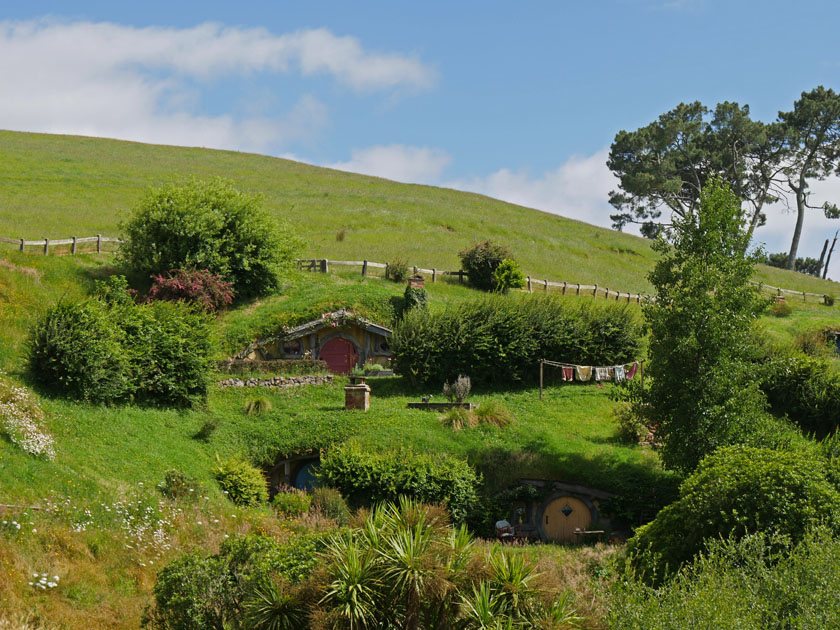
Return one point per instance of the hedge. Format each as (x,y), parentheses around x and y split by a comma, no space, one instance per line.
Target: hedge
(365,478)
(502,338)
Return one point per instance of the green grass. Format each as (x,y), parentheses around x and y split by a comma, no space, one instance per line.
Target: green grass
(60,186)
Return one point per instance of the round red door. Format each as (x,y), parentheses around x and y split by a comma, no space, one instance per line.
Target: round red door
(340,355)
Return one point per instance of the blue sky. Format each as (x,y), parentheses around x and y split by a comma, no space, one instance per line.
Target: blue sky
(516,100)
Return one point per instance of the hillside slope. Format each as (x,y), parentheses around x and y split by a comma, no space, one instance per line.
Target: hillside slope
(59,186)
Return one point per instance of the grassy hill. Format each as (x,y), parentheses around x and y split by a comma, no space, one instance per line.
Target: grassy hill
(100,510)
(59,186)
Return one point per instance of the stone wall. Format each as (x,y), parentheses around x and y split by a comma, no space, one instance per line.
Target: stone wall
(277,381)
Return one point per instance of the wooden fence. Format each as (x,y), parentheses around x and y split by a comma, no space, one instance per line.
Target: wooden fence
(322,265)
(73,241)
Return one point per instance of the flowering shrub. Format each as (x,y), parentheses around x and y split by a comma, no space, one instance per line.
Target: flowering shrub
(20,416)
(196,286)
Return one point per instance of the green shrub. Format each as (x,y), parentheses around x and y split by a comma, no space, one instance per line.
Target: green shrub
(208,428)
(806,389)
(110,349)
(177,485)
(200,591)
(78,350)
(760,582)
(292,502)
(632,427)
(828,300)
(366,478)
(500,339)
(481,261)
(508,276)
(736,491)
(169,347)
(208,225)
(258,406)
(244,484)
(397,270)
(814,343)
(330,503)
(413,298)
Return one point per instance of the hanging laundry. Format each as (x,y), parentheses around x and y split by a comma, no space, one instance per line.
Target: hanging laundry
(568,373)
(619,374)
(603,374)
(583,372)
(631,371)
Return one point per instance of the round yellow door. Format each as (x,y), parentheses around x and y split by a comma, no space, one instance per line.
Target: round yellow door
(563,516)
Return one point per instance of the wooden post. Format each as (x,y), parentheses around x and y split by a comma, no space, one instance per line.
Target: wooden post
(542,361)
(46,246)
(98,243)
(607,293)
(325,265)
(386,271)
(73,248)
(642,367)
(529,284)
(564,288)
(546,285)
(460,276)
(628,298)
(21,244)
(617,295)
(434,275)
(415,270)
(803,296)
(578,288)
(594,291)
(364,268)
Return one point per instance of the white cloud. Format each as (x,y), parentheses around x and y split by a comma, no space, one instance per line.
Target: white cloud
(576,189)
(418,165)
(131,83)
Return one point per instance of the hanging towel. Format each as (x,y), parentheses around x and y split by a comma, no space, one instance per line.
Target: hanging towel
(568,373)
(619,374)
(603,374)
(631,371)
(583,372)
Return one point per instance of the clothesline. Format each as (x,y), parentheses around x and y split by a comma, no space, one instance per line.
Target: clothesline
(584,373)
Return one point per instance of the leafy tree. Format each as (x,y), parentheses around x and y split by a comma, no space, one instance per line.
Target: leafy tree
(701,395)
(508,276)
(208,225)
(812,144)
(665,164)
(481,261)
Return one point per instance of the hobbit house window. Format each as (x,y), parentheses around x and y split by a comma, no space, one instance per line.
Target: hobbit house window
(292,347)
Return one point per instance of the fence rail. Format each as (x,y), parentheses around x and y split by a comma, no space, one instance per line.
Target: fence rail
(531,284)
(73,241)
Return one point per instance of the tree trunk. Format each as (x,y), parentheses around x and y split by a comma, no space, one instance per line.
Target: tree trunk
(828,260)
(822,258)
(797,231)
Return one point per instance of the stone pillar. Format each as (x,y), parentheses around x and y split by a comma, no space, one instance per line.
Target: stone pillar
(357,397)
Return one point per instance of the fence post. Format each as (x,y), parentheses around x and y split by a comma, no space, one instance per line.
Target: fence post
(594,291)
(578,288)
(546,286)
(325,265)
(387,269)
(529,284)
(98,243)
(564,288)
(364,268)
(415,270)
(607,293)
(434,275)
(542,361)
(803,296)
(46,246)
(73,248)
(460,276)
(21,244)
